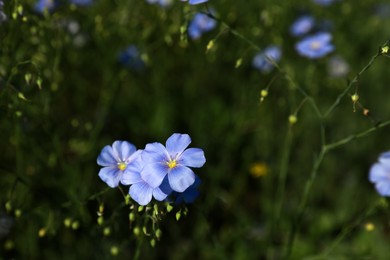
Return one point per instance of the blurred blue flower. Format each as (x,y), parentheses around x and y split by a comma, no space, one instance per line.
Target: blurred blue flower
(173,161)
(141,191)
(323,2)
(315,46)
(200,24)
(162,3)
(337,67)
(380,174)
(81,2)
(130,57)
(261,59)
(195,2)
(43,5)
(302,25)
(116,160)
(190,194)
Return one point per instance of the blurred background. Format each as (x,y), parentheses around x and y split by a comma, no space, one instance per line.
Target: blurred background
(77,75)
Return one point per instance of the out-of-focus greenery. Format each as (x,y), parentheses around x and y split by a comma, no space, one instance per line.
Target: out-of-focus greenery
(64,96)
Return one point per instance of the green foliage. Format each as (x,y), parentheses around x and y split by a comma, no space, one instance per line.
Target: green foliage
(64,96)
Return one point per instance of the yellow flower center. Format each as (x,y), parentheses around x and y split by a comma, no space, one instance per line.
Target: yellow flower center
(122,166)
(315,45)
(172,164)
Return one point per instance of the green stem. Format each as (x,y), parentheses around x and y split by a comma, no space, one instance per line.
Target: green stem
(354,80)
(351,227)
(325,149)
(282,177)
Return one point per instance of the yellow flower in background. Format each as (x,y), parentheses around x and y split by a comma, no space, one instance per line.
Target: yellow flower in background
(258,170)
(369,226)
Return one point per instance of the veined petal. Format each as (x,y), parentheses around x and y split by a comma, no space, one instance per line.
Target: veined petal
(159,195)
(130,177)
(107,157)
(141,192)
(379,173)
(135,163)
(154,173)
(111,176)
(192,157)
(123,149)
(180,178)
(177,143)
(155,152)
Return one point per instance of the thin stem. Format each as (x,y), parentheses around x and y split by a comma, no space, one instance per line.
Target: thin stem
(347,139)
(282,176)
(353,81)
(303,203)
(351,227)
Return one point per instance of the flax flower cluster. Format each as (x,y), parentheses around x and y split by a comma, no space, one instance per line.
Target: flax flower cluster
(157,171)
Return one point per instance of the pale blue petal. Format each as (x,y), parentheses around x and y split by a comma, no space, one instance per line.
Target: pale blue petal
(130,177)
(107,157)
(384,158)
(123,149)
(192,157)
(180,178)
(159,195)
(195,2)
(383,188)
(135,162)
(177,143)
(154,173)
(155,152)
(141,192)
(379,173)
(111,176)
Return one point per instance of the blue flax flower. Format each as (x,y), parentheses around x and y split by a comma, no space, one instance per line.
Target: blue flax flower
(130,57)
(141,191)
(190,194)
(315,46)
(116,160)
(172,160)
(200,24)
(302,25)
(380,174)
(261,59)
(81,2)
(43,5)
(195,2)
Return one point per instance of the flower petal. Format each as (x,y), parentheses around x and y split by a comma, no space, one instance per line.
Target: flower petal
(141,192)
(130,177)
(159,195)
(192,157)
(107,157)
(180,178)
(111,176)
(123,149)
(154,173)
(383,188)
(379,173)
(384,158)
(177,143)
(155,152)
